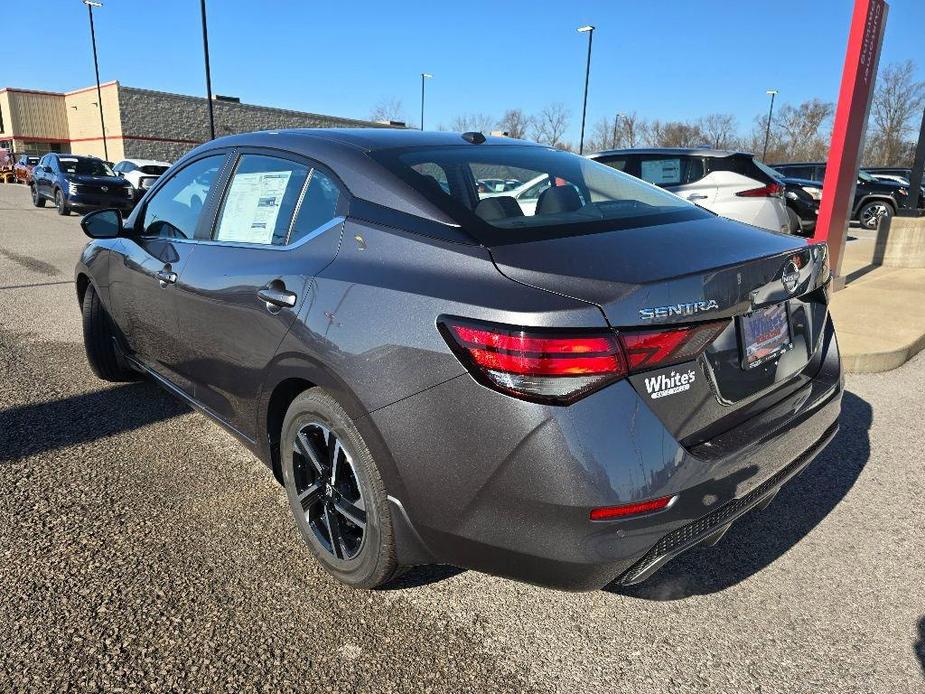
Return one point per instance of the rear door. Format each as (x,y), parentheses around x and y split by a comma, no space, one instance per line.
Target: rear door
(146,266)
(682,174)
(278,224)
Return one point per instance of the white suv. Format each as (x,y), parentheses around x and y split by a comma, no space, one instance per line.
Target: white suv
(141,173)
(731,184)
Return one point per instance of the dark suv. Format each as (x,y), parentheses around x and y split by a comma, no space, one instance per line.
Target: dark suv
(874,200)
(76,182)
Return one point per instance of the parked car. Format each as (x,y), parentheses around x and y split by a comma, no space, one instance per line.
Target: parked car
(74,182)
(141,173)
(567,398)
(874,201)
(23,168)
(731,184)
(802,198)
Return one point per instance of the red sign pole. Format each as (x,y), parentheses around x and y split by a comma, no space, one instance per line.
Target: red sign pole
(854,97)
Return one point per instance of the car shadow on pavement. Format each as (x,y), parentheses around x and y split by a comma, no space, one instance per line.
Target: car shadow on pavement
(920,645)
(761,537)
(423,575)
(39,427)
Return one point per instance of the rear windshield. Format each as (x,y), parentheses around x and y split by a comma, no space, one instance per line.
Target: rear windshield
(153,170)
(85,167)
(551,193)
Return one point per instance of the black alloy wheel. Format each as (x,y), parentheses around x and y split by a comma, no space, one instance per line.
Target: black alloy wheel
(329,491)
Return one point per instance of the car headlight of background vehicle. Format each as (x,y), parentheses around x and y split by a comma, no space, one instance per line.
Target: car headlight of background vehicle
(904,191)
(815,193)
(72,188)
(791,195)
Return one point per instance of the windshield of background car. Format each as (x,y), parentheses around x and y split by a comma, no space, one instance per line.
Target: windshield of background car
(562,194)
(85,167)
(153,170)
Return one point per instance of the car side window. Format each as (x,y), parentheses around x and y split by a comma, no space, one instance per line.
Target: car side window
(174,210)
(319,206)
(261,200)
(671,171)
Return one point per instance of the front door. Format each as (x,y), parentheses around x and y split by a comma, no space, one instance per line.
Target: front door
(148,263)
(278,225)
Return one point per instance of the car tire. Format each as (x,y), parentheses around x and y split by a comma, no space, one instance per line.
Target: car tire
(37,199)
(62,207)
(872,214)
(795,226)
(341,510)
(99,341)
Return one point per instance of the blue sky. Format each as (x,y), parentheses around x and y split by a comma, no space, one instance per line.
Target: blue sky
(668,59)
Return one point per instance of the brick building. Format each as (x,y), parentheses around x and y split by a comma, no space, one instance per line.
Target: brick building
(140,123)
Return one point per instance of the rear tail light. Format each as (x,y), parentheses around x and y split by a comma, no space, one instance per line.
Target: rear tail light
(611,512)
(772,190)
(559,367)
(651,349)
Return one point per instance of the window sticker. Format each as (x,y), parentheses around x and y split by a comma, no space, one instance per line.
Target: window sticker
(252,207)
(661,172)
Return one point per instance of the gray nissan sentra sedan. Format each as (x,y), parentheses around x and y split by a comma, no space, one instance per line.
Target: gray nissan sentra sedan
(570,391)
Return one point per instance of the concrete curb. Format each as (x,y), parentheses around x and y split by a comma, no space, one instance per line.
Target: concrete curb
(877,362)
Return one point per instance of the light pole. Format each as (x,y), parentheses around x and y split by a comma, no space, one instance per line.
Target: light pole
(767,130)
(589,30)
(205,48)
(424,76)
(96,66)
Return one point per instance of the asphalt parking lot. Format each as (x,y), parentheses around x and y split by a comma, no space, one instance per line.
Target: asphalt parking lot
(142,547)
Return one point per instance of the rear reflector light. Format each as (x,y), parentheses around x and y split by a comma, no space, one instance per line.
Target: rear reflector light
(772,190)
(558,367)
(611,512)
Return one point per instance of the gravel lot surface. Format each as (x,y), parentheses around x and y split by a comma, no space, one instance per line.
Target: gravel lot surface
(141,547)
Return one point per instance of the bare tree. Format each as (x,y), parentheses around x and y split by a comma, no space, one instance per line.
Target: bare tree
(387,109)
(719,130)
(622,130)
(515,123)
(550,125)
(894,112)
(472,122)
(676,134)
(798,133)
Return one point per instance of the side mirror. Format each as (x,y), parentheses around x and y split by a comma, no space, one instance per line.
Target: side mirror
(102,224)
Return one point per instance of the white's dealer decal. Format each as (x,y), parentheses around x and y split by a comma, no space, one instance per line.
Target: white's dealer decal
(669,384)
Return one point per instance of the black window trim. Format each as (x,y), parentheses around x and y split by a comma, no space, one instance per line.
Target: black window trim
(343,201)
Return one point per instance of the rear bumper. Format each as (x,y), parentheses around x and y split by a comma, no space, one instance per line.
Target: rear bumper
(499,485)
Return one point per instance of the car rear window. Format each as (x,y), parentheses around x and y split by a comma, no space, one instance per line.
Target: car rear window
(152,170)
(559,194)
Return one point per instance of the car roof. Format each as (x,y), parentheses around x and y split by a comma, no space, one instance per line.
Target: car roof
(346,152)
(689,151)
(147,162)
(373,139)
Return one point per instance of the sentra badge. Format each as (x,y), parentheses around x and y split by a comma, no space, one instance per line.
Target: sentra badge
(687,309)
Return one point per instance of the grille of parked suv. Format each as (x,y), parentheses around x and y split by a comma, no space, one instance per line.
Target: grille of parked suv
(702,527)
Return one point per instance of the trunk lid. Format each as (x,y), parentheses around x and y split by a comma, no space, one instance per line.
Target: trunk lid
(678,274)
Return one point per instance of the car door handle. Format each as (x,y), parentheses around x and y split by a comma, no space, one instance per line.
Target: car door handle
(695,196)
(166,277)
(280,298)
